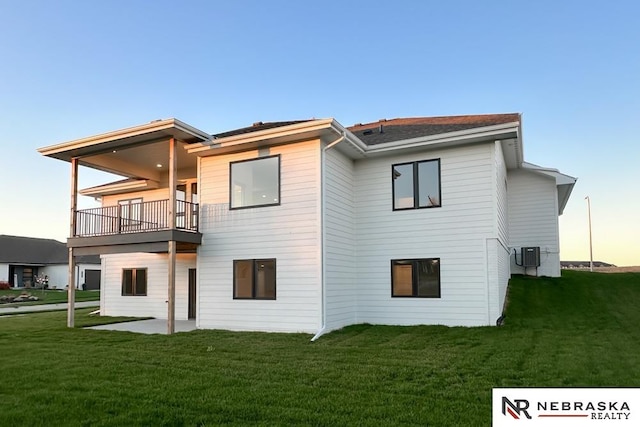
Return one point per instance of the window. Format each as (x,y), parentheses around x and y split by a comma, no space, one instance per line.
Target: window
(255,183)
(134,282)
(130,214)
(415,278)
(416,185)
(254,279)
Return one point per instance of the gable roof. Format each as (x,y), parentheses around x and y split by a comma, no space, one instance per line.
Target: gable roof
(407,128)
(258,126)
(35,251)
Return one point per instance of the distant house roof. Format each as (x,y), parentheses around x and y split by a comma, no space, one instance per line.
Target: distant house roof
(583,264)
(387,130)
(34,251)
(258,126)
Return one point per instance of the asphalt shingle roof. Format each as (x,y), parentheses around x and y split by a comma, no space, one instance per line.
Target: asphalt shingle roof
(31,250)
(407,128)
(258,126)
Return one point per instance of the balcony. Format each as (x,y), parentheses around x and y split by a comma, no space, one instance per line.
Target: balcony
(139,226)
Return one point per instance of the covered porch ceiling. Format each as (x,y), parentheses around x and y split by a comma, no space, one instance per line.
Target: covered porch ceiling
(136,152)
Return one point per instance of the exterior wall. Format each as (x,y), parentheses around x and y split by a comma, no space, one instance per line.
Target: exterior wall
(456,233)
(289,232)
(112,303)
(4,272)
(533,220)
(503,273)
(339,241)
(59,274)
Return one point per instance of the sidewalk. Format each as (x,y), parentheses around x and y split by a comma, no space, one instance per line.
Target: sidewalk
(44,307)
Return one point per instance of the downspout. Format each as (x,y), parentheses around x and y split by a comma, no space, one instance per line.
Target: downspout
(323,303)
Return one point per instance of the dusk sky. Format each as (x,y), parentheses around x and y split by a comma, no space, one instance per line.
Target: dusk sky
(72,69)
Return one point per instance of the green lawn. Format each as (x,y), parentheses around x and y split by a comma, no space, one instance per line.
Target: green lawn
(50,296)
(581,330)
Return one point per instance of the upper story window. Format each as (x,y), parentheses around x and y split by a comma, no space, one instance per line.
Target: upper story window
(416,185)
(255,182)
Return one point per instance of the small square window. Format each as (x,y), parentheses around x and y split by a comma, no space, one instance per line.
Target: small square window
(134,282)
(415,278)
(255,183)
(254,279)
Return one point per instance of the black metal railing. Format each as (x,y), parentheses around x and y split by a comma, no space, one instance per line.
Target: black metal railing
(135,218)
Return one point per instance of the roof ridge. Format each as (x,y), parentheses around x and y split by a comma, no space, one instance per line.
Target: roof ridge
(416,118)
(32,238)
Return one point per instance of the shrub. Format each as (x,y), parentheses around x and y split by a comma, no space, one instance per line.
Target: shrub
(4,286)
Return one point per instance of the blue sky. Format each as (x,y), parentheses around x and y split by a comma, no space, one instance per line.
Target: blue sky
(71,69)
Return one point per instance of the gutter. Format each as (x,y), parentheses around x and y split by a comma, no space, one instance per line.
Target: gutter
(323,300)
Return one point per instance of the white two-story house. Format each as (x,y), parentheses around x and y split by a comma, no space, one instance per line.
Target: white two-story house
(309,226)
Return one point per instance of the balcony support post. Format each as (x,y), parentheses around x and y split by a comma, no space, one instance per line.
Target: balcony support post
(71,290)
(171,315)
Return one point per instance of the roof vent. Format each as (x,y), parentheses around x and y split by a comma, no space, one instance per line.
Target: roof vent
(382,120)
(367,132)
(381,129)
(257,124)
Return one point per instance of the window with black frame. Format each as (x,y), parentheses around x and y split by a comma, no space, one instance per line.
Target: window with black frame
(134,282)
(416,185)
(254,279)
(254,183)
(418,278)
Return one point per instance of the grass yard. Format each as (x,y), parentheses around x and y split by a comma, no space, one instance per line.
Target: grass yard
(580,330)
(50,296)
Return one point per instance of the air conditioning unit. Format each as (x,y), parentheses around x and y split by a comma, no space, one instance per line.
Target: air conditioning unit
(530,256)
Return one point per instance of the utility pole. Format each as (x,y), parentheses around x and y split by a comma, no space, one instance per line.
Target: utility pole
(590,240)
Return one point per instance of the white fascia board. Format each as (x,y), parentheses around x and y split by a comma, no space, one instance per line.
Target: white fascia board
(469,135)
(156,125)
(120,187)
(561,178)
(263,135)
(353,140)
(564,182)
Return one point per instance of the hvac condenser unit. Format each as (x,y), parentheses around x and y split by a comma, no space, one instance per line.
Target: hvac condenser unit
(530,256)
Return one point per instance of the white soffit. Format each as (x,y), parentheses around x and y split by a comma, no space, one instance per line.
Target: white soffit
(120,187)
(143,134)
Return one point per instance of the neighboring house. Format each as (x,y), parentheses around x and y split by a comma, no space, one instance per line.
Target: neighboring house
(310,226)
(583,264)
(22,259)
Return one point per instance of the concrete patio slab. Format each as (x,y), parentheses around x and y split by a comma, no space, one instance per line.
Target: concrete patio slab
(149,326)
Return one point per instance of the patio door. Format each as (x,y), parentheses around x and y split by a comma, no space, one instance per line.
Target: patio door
(192,294)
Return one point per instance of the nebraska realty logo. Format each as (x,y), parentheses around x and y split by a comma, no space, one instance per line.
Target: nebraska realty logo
(565,406)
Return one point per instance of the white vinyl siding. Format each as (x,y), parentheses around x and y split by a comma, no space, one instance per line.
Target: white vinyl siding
(498,275)
(339,244)
(113,303)
(497,249)
(502,188)
(533,219)
(456,233)
(290,233)
(504,274)
(4,272)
